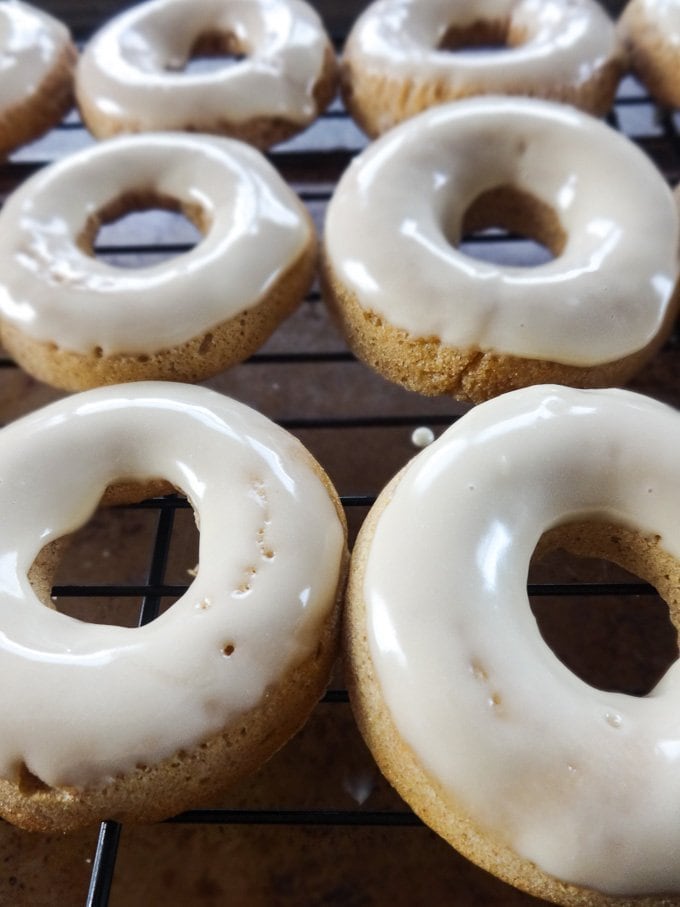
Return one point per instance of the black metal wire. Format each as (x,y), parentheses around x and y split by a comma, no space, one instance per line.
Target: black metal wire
(103,865)
(335,817)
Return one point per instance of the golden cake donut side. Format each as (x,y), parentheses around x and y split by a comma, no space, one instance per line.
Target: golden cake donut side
(651,34)
(38,62)
(561,789)
(422,312)
(75,321)
(403,56)
(140,723)
(131,76)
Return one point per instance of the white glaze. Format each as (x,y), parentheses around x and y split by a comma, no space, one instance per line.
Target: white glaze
(584,783)
(128,70)
(31,43)
(396,215)
(52,290)
(661,16)
(88,702)
(560,44)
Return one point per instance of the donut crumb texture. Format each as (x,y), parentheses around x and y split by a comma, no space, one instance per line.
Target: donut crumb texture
(378,100)
(203,356)
(429,367)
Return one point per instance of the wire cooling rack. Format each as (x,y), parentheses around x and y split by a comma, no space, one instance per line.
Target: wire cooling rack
(360,428)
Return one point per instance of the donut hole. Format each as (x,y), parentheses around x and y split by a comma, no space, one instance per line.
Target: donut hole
(509,226)
(156,225)
(483,34)
(211,51)
(624,641)
(123,562)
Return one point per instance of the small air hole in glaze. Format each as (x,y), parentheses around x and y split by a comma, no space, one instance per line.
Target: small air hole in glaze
(228,649)
(478,671)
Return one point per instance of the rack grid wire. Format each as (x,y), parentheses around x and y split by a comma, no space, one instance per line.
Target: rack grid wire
(357,425)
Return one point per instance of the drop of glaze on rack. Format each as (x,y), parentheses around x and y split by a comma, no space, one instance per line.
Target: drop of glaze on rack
(359,785)
(422,436)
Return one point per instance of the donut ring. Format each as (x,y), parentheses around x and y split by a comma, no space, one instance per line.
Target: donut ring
(130,77)
(36,89)
(426,315)
(398,59)
(565,791)
(75,321)
(139,723)
(651,34)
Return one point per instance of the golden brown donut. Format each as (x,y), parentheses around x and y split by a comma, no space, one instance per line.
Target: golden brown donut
(138,723)
(38,60)
(651,34)
(404,56)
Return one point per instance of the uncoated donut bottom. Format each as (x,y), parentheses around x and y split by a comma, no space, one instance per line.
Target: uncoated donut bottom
(377,102)
(429,367)
(438,808)
(203,356)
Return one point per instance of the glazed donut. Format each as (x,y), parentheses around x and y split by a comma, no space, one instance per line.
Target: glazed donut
(75,321)
(404,56)
(131,77)
(37,59)
(139,723)
(427,315)
(566,791)
(651,33)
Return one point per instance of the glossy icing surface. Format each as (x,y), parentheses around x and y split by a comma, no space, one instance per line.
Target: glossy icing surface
(395,221)
(54,290)
(555,42)
(582,782)
(131,70)
(31,42)
(90,701)
(661,15)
